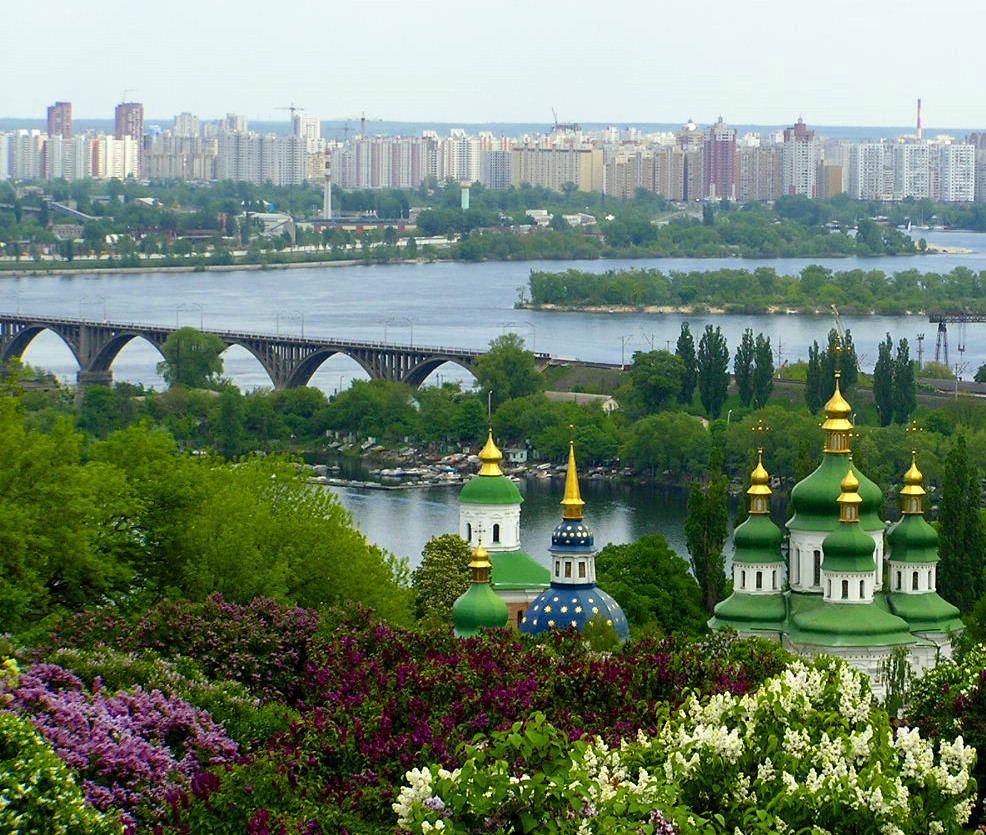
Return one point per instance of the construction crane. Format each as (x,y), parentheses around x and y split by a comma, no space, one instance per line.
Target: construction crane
(292,107)
(564,126)
(123,98)
(838,325)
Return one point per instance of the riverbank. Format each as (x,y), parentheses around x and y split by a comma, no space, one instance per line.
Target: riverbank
(696,310)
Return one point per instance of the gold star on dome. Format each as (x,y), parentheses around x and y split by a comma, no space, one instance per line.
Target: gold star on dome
(547,610)
(574,624)
(564,610)
(551,623)
(554,599)
(609,622)
(591,600)
(578,610)
(595,610)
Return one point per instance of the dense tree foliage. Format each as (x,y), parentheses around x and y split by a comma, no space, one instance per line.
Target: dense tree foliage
(706,529)
(507,370)
(192,359)
(685,351)
(962,536)
(763,289)
(655,380)
(713,370)
(441,578)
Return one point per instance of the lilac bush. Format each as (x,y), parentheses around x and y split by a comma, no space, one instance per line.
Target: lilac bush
(130,748)
(263,644)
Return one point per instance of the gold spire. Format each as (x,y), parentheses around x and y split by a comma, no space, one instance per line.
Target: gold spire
(849,499)
(837,425)
(913,492)
(572,503)
(491,457)
(759,491)
(480,564)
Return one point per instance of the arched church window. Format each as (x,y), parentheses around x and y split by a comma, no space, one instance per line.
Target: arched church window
(759,579)
(742,579)
(568,568)
(914,582)
(496,533)
(818,568)
(845,589)
(468,531)
(581,570)
(862,589)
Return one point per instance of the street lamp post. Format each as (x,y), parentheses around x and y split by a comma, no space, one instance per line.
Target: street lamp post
(290,314)
(530,325)
(399,320)
(188,306)
(623,348)
(83,300)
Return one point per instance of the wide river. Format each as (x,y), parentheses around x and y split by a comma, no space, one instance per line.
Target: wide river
(460,305)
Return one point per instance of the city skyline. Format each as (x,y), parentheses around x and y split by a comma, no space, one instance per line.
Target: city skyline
(443,62)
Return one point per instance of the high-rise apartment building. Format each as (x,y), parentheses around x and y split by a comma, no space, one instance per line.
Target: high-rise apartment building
(60,119)
(719,162)
(758,173)
(187,124)
(913,170)
(868,172)
(129,121)
(799,160)
(957,173)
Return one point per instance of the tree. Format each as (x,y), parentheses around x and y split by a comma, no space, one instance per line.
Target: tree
(441,578)
(713,370)
(763,371)
(685,350)
(962,536)
(706,528)
(655,378)
(507,370)
(905,387)
(814,382)
(883,382)
(839,356)
(653,585)
(743,367)
(671,441)
(192,359)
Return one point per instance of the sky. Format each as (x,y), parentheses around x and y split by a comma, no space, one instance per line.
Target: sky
(756,62)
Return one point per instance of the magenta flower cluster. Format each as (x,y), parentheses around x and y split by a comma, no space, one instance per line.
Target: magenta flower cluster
(131,749)
(378,701)
(263,644)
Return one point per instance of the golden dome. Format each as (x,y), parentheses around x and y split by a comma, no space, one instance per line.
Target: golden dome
(572,503)
(913,491)
(759,491)
(480,557)
(491,457)
(838,408)
(849,500)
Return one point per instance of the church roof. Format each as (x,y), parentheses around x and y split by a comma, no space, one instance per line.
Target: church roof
(751,612)
(573,607)
(514,570)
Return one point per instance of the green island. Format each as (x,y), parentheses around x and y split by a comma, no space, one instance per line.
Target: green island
(761,290)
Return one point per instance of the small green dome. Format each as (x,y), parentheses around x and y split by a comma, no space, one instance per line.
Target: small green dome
(758,539)
(926,612)
(814,498)
(912,539)
(479,607)
(749,612)
(848,625)
(848,548)
(490,489)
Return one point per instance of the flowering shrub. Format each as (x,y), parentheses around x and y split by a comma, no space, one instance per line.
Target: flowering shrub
(807,752)
(130,748)
(229,703)
(37,790)
(950,700)
(378,701)
(262,645)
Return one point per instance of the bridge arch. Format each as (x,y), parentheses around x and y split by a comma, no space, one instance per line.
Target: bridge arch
(306,369)
(423,370)
(245,354)
(107,354)
(21,341)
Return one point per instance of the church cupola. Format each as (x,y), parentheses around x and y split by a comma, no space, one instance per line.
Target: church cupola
(479,606)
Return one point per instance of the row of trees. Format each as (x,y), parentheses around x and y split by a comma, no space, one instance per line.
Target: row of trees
(763,288)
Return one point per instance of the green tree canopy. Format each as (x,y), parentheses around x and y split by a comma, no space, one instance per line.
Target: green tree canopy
(192,359)
(655,379)
(685,350)
(507,370)
(653,585)
(441,578)
(743,367)
(706,528)
(713,370)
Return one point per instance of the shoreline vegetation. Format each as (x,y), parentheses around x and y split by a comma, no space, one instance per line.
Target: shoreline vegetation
(759,291)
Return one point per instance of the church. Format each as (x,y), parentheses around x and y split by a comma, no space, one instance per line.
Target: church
(840,592)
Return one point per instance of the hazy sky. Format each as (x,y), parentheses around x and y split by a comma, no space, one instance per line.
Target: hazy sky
(838,62)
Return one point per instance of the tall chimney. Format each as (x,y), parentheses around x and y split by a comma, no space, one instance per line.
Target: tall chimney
(919,120)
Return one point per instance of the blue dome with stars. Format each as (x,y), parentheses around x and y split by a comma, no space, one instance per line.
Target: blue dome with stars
(573,607)
(571,535)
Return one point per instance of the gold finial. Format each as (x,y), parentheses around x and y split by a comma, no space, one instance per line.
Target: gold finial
(837,425)
(491,457)
(480,564)
(572,503)
(913,492)
(759,491)
(849,499)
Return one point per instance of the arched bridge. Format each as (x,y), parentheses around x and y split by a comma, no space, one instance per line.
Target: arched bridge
(290,361)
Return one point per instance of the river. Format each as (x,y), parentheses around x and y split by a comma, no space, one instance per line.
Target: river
(461,305)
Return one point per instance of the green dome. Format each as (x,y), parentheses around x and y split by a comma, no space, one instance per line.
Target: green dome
(813,499)
(516,570)
(490,489)
(927,612)
(758,539)
(749,612)
(821,623)
(912,539)
(478,607)
(848,548)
